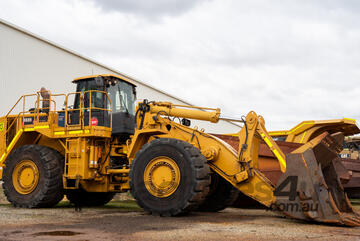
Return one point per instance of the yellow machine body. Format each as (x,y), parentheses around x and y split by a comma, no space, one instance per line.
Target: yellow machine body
(88,149)
(83,147)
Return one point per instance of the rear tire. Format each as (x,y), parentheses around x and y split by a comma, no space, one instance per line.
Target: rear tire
(222,195)
(177,177)
(33,177)
(89,199)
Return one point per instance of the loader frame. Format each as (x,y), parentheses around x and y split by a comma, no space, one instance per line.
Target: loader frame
(89,148)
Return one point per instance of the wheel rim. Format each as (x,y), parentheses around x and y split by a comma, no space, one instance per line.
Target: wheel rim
(162,176)
(25,177)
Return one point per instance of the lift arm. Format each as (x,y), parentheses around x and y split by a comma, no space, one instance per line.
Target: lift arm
(309,167)
(240,169)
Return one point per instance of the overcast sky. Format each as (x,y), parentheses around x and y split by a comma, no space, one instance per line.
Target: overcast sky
(287,60)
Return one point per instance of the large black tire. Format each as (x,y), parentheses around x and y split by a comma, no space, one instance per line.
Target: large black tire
(89,199)
(222,195)
(49,188)
(193,183)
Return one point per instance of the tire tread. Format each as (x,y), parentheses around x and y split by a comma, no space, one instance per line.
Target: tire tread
(52,191)
(200,182)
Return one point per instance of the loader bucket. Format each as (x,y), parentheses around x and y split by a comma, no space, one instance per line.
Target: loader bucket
(311,189)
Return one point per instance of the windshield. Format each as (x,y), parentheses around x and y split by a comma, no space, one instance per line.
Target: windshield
(97,98)
(122,97)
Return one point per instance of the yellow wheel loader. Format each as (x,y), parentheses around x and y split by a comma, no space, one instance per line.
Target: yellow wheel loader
(101,145)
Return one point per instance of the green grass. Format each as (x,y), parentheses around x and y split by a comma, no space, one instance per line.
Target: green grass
(125,205)
(129,205)
(5,205)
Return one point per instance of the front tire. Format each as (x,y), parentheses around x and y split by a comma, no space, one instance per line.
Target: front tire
(169,177)
(222,195)
(33,177)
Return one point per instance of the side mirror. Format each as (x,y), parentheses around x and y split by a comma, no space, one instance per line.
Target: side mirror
(99,81)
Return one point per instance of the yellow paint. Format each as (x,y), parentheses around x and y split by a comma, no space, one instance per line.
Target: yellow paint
(118,171)
(162,176)
(251,189)
(25,177)
(36,128)
(56,133)
(2,126)
(76,132)
(277,133)
(301,125)
(241,176)
(353,120)
(266,140)
(2,158)
(9,148)
(276,152)
(14,140)
(29,129)
(303,136)
(212,116)
(281,160)
(42,127)
(346,125)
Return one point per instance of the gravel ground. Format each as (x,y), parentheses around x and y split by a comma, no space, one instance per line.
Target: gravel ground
(124,220)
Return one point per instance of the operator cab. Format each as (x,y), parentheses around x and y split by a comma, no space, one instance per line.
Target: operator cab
(122,94)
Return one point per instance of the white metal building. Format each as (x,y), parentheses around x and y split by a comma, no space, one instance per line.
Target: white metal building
(28,62)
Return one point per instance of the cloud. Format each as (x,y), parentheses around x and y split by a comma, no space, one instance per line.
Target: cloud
(148,8)
(287,60)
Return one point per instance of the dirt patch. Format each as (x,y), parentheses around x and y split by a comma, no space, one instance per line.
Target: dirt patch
(116,222)
(2,196)
(122,219)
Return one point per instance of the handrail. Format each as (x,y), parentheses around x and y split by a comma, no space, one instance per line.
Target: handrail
(97,108)
(37,113)
(12,123)
(14,106)
(20,113)
(72,110)
(89,108)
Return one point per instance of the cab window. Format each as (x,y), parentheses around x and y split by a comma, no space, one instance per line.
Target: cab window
(122,97)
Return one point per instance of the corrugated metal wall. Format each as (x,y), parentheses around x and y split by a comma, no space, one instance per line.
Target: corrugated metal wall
(27,63)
